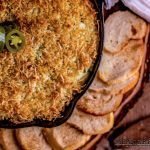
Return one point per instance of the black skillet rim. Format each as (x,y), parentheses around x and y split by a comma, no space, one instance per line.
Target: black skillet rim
(69,108)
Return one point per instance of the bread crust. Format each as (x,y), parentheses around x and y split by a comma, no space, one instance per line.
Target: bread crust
(90,124)
(7,140)
(65,137)
(116,68)
(32,139)
(99,103)
(121,27)
(115,88)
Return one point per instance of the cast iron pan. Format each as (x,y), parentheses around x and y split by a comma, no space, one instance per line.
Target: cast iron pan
(97,4)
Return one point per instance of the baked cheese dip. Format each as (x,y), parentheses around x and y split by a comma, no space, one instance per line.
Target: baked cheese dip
(61,39)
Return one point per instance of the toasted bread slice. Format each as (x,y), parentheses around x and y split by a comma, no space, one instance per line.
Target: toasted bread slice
(99,103)
(65,137)
(91,124)
(7,139)
(130,84)
(121,66)
(120,27)
(117,88)
(32,139)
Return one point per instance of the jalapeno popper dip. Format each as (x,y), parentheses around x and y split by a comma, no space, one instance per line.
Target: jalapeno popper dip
(39,79)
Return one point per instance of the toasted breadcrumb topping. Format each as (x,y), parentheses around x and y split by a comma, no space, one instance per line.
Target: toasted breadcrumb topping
(61,46)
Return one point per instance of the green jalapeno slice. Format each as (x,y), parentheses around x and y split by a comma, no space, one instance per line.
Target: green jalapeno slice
(2,38)
(15,40)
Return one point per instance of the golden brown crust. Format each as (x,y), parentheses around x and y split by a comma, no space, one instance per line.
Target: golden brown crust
(61,42)
(117,88)
(120,28)
(7,139)
(65,137)
(90,124)
(32,139)
(99,103)
(121,66)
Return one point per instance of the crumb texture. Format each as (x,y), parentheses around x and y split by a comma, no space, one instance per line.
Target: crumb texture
(61,42)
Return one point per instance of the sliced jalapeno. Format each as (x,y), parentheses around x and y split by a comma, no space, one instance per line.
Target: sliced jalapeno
(2,38)
(14,40)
